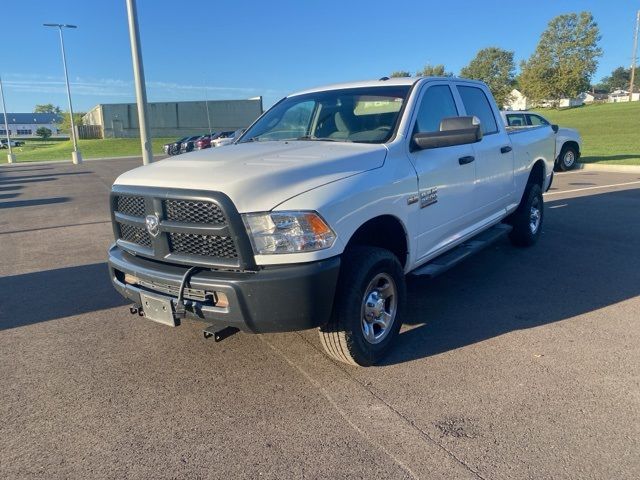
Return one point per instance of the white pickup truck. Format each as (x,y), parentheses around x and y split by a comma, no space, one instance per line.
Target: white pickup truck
(314,217)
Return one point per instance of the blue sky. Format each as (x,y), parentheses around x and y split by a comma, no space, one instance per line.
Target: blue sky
(233,50)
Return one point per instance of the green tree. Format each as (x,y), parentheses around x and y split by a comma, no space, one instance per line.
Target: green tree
(43,132)
(565,59)
(496,68)
(433,71)
(619,79)
(65,123)
(400,73)
(47,108)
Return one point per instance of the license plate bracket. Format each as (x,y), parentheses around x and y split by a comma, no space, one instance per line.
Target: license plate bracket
(157,308)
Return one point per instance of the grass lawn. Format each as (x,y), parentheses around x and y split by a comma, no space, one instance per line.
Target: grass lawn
(35,150)
(610,131)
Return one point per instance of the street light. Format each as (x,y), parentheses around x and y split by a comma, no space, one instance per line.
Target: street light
(75,155)
(138,78)
(11,157)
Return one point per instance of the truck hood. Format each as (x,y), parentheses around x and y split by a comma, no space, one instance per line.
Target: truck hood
(259,176)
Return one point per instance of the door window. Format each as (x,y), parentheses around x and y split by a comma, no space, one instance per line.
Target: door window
(516,120)
(437,103)
(476,103)
(537,120)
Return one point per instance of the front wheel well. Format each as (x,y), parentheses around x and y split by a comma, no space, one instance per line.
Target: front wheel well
(572,144)
(385,231)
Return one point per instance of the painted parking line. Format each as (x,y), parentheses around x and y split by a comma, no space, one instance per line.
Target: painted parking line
(613,185)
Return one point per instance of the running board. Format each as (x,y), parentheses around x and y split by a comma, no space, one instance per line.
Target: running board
(451,258)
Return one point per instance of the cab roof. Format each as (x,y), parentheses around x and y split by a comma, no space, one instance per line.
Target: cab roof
(384,81)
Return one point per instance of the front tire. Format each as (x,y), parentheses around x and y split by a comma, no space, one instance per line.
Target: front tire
(527,219)
(568,158)
(367,309)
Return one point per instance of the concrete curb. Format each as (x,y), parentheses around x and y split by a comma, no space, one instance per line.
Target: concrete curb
(84,160)
(608,168)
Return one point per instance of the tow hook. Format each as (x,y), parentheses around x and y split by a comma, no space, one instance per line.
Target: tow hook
(219,335)
(133,309)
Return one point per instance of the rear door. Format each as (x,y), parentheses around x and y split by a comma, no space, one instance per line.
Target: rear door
(494,153)
(445,183)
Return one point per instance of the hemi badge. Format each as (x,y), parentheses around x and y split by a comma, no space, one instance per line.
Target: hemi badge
(412,199)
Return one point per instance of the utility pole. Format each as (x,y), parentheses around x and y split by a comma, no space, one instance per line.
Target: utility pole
(11,157)
(138,78)
(76,158)
(633,57)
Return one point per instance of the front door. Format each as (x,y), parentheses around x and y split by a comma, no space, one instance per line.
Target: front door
(446,176)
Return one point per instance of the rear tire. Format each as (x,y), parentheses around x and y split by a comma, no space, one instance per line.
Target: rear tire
(528,217)
(568,158)
(367,309)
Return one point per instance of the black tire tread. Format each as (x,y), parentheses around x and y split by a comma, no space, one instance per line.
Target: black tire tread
(334,336)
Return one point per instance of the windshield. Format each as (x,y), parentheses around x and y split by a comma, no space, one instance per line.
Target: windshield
(364,115)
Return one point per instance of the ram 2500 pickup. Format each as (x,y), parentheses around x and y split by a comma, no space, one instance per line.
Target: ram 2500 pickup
(314,217)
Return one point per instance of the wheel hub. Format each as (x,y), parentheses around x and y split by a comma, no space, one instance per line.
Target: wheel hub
(379,308)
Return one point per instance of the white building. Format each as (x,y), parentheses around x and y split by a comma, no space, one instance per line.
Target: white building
(24,125)
(520,102)
(623,96)
(517,101)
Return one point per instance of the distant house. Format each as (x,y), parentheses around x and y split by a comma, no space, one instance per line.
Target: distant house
(623,96)
(25,124)
(592,97)
(570,102)
(519,101)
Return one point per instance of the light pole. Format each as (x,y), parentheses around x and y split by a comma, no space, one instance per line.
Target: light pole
(75,155)
(10,158)
(138,78)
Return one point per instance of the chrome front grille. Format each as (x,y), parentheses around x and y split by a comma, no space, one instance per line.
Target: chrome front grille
(205,245)
(200,229)
(134,234)
(194,211)
(129,205)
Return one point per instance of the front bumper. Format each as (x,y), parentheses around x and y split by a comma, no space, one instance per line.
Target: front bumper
(275,299)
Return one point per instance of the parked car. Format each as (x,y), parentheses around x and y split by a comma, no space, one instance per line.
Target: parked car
(568,140)
(189,144)
(231,138)
(203,142)
(216,142)
(174,147)
(322,208)
(14,143)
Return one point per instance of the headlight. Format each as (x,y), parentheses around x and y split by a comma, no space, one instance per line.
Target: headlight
(288,232)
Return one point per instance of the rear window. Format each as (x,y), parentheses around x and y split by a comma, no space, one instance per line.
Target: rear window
(516,120)
(476,103)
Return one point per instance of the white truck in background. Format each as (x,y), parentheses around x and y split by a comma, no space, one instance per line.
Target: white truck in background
(568,140)
(314,217)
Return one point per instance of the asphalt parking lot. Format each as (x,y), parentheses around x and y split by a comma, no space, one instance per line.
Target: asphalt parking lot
(519,363)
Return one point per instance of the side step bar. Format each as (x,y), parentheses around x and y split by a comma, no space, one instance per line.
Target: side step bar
(451,258)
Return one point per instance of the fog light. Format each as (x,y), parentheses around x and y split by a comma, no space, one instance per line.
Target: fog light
(221,300)
(131,279)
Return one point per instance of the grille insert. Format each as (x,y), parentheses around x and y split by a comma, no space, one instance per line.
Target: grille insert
(133,234)
(194,211)
(204,245)
(130,205)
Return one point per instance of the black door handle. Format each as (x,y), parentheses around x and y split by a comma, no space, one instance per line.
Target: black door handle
(465,160)
(506,149)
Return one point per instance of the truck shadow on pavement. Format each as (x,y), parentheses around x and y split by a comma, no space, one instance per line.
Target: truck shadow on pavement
(587,259)
(51,294)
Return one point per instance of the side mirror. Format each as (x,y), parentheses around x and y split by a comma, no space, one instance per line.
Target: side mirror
(555,128)
(453,131)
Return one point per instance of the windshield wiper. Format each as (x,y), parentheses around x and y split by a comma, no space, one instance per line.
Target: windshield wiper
(322,139)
